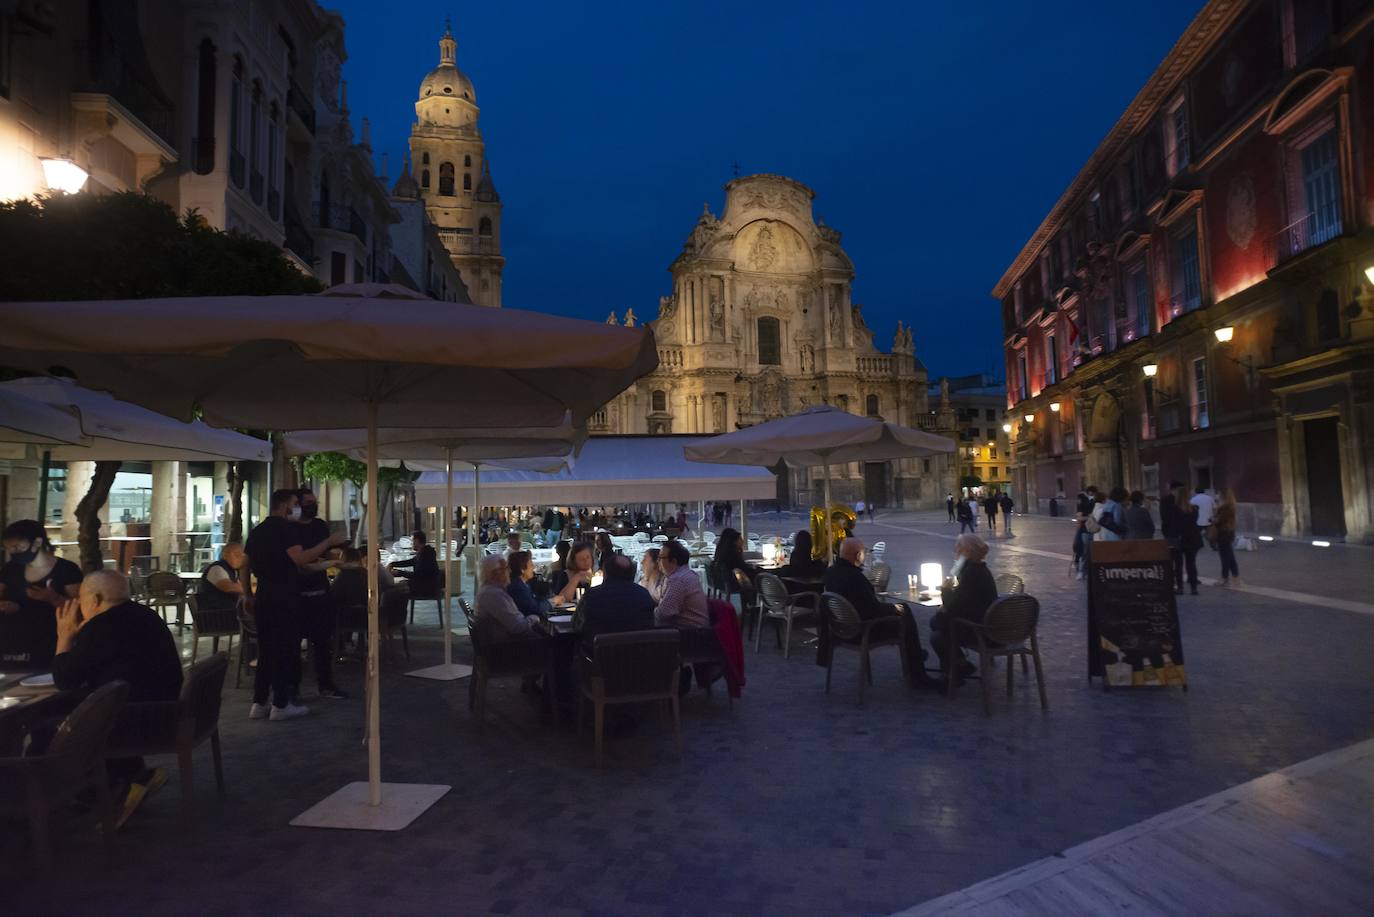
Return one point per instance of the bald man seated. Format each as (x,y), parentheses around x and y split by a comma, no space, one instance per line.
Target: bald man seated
(102,637)
(845,577)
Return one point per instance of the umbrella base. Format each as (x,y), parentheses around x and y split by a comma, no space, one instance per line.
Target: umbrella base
(402,803)
(443,672)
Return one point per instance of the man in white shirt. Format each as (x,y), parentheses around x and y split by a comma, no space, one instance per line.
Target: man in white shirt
(684,601)
(1206,507)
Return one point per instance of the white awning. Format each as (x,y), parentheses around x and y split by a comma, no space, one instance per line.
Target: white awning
(612,470)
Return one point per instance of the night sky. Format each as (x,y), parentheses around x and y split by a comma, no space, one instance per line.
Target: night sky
(935,140)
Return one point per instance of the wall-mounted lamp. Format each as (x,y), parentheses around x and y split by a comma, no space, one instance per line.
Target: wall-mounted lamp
(1150,369)
(1054,406)
(64,175)
(1225,334)
(1369,272)
(1006,428)
(1030,418)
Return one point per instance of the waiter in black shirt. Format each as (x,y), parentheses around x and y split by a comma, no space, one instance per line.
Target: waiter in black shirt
(316,605)
(273,557)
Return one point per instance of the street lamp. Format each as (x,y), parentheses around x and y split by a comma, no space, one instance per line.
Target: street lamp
(64,175)
(1054,406)
(1006,428)
(1150,370)
(1369,272)
(1225,334)
(1030,418)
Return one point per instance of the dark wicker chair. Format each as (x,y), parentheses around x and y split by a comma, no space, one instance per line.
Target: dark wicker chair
(40,786)
(848,630)
(776,605)
(1008,629)
(177,727)
(167,590)
(248,633)
(425,591)
(700,646)
(748,594)
(519,658)
(634,667)
(879,574)
(213,623)
(1010,584)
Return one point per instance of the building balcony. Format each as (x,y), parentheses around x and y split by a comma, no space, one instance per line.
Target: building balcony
(298,101)
(1309,231)
(105,67)
(881,365)
(670,358)
(339,218)
(461,242)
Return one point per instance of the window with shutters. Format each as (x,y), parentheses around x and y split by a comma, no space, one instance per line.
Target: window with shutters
(770,350)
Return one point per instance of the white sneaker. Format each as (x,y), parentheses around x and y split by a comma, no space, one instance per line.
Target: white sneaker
(289,712)
(258,711)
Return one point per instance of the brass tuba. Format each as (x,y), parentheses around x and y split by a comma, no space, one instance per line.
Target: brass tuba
(842,518)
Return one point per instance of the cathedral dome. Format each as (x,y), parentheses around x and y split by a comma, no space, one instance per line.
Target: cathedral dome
(446,80)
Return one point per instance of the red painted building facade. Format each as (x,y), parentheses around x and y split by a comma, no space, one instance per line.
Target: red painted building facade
(1196,306)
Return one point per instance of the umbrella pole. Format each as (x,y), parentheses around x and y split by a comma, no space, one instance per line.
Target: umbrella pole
(476,509)
(448,580)
(374,707)
(744,520)
(829,523)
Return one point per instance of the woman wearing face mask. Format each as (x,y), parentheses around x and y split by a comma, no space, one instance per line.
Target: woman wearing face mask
(967,601)
(33,584)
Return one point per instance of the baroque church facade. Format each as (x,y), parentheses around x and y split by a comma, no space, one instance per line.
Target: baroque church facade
(448,160)
(760,324)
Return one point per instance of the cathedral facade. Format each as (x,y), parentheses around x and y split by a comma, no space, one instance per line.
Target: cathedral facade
(448,159)
(760,324)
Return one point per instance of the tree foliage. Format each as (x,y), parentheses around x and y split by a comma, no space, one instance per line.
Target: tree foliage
(335,466)
(130,246)
(970,480)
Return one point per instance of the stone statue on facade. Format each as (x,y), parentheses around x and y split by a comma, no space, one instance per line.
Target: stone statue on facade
(666,307)
(611,319)
(717,415)
(944,393)
(629,318)
(901,341)
(836,321)
(717,320)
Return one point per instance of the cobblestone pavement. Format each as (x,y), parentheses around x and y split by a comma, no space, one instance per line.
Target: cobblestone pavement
(795,802)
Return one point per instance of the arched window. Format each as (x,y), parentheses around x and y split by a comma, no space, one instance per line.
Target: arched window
(467,181)
(424,159)
(770,350)
(467,161)
(659,400)
(484,227)
(871,405)
(446,178)
(424,179)
(205,109)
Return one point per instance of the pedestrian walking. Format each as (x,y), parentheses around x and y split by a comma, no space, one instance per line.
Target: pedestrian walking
(1139,524)
(1225,523)
(1178,523)
(949,505)
(990,507)
(1007,506)
(967,518)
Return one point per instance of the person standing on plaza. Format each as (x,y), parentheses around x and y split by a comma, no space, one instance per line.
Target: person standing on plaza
(990,508)
(1139,524)
(34,583)
(274,557)
(1206,507)
(1225,522)
(1007,505)
(859,509)
(949,505)
(317,614)
(966,518)
(1178,523)
(1110,516)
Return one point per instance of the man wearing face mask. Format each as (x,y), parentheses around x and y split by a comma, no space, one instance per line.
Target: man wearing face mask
(316,607)
(33,584)
(274,557)
(968,600)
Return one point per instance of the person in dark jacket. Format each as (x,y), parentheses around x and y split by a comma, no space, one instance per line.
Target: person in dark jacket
(1178,524)
(618,604)
(969,600)
(522,571)
(800,564)
(220,589)
(730,555)
(846,578)
(422,570)
(1139,524)
(990,507)
(965,515)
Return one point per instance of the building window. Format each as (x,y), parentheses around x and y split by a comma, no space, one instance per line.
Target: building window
(871,405)
(1019,297)
(204,142)
(484,227)
(446,179)
(338,268)
(989,414)
(1321,186)
(236,167)
(255,144)
(1138,290)
(1051,359)
(1023,376)
(992,452)
(467,161)
(1187,274)
(1177,151)
(424,159)
(467,181)
(1068,428)
(659,401)
(770,350)
(975,432)
(1147,413)
(424,179)
(1197,387)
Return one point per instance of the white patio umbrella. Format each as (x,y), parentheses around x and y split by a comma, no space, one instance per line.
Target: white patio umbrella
(531,448)
(24,420)
(317,362)
(820,435)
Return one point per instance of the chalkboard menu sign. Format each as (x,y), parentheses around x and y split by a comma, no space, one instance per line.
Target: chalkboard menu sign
(1133,632)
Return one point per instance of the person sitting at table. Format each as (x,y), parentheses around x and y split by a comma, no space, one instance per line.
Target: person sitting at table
(521,572)
(497,614)
(967,601)
(846,578)
(33,584)
(605,550)
(577,569)
(512,544)
(618,604)
(102,637)
(684,601)
(730,556)
(220,589)
(560,548)
(800,564)
(422,570)
(651,574)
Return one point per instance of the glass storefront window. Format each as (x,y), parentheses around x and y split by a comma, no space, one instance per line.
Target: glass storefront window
(131,498)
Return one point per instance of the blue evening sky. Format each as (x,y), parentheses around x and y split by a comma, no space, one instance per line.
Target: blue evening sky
(936,138)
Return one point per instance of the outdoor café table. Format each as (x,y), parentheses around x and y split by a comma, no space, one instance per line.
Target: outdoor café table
(22,707)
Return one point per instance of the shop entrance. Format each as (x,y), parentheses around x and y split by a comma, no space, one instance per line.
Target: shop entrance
(1321,439)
